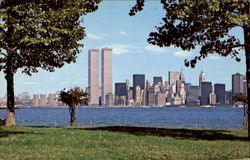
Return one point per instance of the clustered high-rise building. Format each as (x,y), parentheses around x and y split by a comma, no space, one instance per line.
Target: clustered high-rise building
(161,93)
(38,100)
(176,91)
(42,100)
(158,94)
(100,95)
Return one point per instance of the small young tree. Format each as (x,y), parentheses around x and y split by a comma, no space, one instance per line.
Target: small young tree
(243,99)
(73,98)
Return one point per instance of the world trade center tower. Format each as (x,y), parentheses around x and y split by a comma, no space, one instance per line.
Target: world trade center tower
(106,74)
(93,77)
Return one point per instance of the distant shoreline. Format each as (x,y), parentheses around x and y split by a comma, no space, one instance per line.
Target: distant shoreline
(171,106)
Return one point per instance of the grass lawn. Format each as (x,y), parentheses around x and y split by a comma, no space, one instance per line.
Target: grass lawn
(48,143)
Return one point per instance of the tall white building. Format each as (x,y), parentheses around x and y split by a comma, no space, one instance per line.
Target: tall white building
(97,92)
(93,77)
(35,102)
(175,76)
(43,101)
(52,100)
(106,74)
(201,78)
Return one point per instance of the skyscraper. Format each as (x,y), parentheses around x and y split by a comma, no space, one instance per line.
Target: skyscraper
(151,96)
(35,102)
(138,95)
(106,75)
(43,101)
(237,83)
(52,100)
(160,99)
(201,78)
(120,89)
(219,90)
(193,94)
(245,87)
(229,97)
(93,76)
(206,89)
(138,80)
(175,76)
(157,80)
(212,98)
(109,99)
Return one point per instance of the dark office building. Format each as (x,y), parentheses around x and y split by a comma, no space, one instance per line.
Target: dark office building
(120,89)
(151,96)
(138,80)
(193,93)
(229,97)
(219,90)
(245,87)
(237,83)
(157,80)
(206,89)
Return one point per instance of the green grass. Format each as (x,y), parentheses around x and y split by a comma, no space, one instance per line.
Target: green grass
(120,143)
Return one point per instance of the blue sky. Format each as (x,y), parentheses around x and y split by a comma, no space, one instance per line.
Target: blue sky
(111,26)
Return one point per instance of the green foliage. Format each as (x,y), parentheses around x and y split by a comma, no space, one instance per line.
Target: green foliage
(29,143)
(203,24)
(240,98)
(41,33)
(73,97)
(36,34)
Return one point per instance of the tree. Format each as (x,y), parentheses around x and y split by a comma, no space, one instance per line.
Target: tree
(204,24)
(73,98)
(39,34)
(243,99)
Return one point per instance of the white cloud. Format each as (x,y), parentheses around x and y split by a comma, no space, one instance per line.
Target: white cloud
(123,33)
(93,36)
(120,48)
(183,53)
(155,49)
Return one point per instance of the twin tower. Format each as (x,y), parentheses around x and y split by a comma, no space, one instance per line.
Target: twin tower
(97,93)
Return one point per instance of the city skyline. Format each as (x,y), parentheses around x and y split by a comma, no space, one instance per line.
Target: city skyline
(141,93)
(131,53)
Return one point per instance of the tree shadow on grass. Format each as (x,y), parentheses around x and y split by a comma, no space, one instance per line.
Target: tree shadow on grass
(4,133)
(195,134)
(46,126)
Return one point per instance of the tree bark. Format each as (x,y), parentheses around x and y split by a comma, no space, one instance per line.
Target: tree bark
(247,53)
(10,114)
(72,112)
(245,117)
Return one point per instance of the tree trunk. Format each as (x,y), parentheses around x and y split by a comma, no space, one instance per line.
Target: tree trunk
(245,118)
(10,114)
(247,53)
(72,112)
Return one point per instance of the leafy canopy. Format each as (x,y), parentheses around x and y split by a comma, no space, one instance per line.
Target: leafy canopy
(41,33)
(73,97)
(204,24)
(240,98)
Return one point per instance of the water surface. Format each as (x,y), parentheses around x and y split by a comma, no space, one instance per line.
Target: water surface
(192,117)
